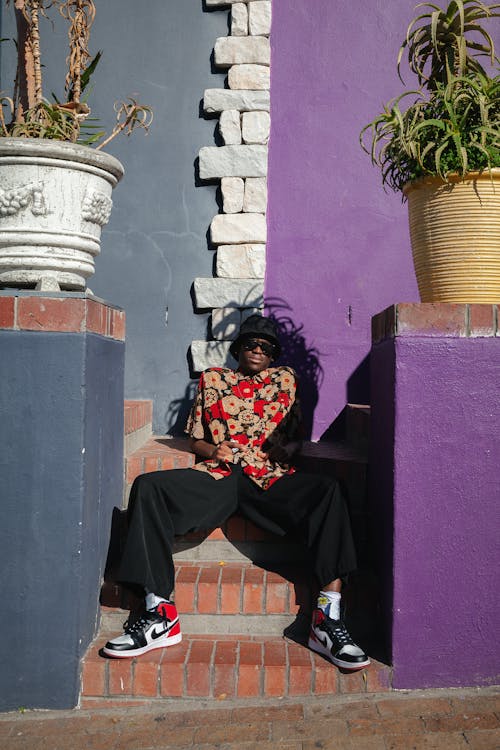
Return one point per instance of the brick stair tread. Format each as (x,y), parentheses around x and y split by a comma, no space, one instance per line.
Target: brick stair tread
(164,444)
(160,452)
(222,667)
(233,588)
(137,414)
(242,598)
(137,425)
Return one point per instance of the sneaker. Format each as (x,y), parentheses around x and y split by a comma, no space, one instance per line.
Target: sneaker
(330,639)
(157,628)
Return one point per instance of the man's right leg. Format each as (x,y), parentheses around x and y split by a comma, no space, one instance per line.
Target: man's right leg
(163,504)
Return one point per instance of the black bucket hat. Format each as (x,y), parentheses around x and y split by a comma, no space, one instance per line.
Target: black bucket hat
(259,326)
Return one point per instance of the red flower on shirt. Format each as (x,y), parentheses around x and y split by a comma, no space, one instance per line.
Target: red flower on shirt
(284,398)
(245,389)
(217,411)
(258,407)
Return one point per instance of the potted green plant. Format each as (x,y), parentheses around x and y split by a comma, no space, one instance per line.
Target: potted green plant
(55,190)
(443,151)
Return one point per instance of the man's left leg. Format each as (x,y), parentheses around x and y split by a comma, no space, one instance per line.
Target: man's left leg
(313,506)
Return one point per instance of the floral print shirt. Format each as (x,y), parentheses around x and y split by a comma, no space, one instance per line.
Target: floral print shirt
(256,411)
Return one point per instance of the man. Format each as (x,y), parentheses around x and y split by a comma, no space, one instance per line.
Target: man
(244,425)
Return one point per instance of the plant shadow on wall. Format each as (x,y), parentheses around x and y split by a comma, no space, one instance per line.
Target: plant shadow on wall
(304,358)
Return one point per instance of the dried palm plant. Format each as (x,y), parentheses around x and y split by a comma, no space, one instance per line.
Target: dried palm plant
(32,116)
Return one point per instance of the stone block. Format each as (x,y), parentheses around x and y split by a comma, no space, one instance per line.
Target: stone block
(210,354)
(239,19)
(229,229)
(241,261)
(216,100)
(232,161)
(230,127)
(255,195)
(249,77)
(210,293)
(232,189)
(255,127)
(226,323)
(234,50)
(259,17)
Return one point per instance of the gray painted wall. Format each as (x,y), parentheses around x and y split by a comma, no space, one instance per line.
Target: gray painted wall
(61,469)
(155,243)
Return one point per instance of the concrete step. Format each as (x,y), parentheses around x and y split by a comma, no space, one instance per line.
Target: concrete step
(220,667)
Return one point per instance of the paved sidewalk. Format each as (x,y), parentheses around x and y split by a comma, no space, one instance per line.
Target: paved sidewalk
(427,719)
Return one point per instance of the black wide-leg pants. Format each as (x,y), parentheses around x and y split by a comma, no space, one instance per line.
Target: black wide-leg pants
(168,503)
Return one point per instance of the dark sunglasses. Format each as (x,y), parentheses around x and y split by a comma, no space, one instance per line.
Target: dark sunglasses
(251,344)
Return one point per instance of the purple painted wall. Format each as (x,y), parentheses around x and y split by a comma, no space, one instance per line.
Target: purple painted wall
(338,245)
(446,492)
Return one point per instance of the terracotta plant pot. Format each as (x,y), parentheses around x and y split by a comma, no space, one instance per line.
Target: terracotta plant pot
(455,237)
(54,199)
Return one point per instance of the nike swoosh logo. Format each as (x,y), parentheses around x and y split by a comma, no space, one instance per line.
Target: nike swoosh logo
(323,641)
(157,634)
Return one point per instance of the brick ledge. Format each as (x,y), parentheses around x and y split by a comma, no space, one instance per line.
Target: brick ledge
(436,319)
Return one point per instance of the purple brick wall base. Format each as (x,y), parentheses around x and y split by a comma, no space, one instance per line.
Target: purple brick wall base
(435,490)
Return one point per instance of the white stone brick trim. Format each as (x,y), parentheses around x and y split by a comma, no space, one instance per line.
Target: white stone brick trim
(232,161)
(249,77)
(255,127)
(241,261)
(259,17)
(239,19)
(225,323)
(210,293)
(211,354)
(221,3)
(216,100)
(232,190)
(230,127)
(234,50)
(255,196)
(241,165)
(237,229)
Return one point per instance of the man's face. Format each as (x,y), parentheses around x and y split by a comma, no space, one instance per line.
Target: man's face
(253,358)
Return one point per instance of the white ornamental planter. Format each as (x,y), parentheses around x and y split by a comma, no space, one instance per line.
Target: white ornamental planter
(54,199)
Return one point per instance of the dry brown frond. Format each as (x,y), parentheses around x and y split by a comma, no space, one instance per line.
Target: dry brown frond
(129,116)
(80,14)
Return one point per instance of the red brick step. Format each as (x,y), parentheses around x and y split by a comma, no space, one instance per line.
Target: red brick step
(219,668)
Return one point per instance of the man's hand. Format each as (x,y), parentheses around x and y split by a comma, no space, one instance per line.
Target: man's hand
(224,451)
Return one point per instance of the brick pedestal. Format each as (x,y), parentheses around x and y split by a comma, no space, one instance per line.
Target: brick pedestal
(61,468)
(435,489)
